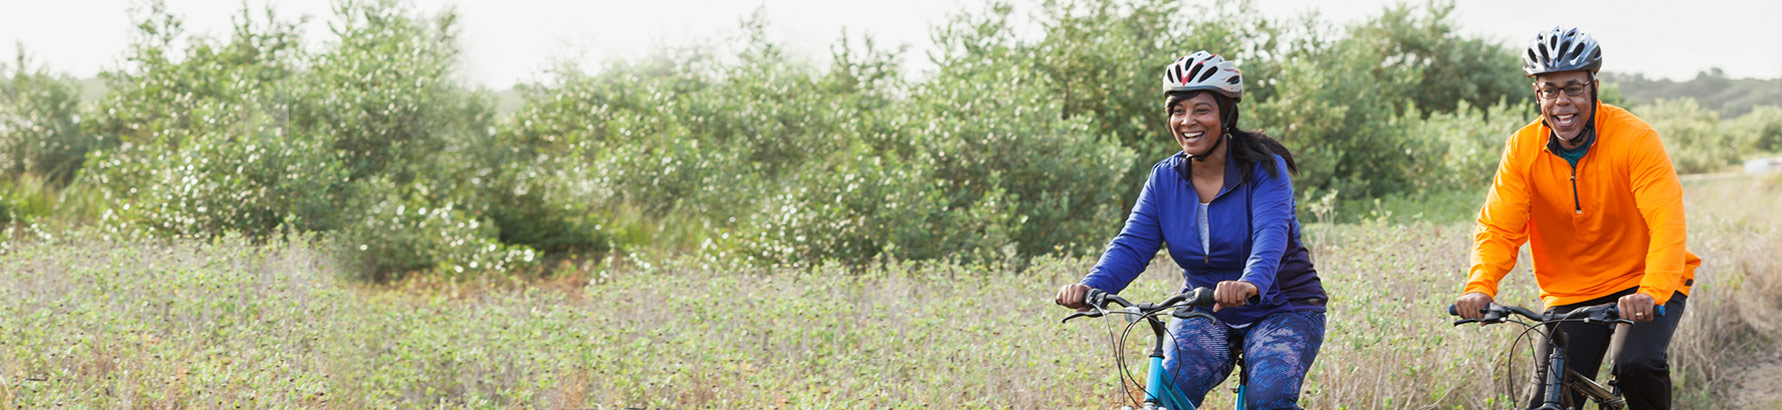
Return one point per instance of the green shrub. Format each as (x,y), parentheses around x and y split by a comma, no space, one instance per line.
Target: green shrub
(865,207)
(1691,134)
(241,175)
(996,146)
(1014,145)
(39,126)
(1759,130)
(384,96)
(199,145)
(398,231)
(1459,150)
(253,135)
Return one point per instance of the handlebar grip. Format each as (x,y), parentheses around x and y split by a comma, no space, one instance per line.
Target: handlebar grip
(1452,311)
(1656,310)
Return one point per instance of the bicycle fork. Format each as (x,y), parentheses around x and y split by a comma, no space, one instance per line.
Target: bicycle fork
(1155,387)
(1555,372)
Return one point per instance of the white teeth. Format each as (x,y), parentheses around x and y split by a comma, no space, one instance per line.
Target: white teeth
(1566,117)
(1192,134)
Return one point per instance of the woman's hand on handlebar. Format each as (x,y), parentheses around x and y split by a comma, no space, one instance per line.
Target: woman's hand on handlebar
(1233,293)
(1071,296)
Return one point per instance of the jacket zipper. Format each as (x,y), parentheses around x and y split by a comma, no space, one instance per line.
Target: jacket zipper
(1576,208)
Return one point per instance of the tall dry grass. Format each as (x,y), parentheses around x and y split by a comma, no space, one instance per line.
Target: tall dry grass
(91,322)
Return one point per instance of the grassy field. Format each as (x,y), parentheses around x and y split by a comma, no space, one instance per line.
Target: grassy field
(86,322)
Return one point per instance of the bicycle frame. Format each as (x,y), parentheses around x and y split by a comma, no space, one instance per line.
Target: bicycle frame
(1159,392)
(1559,380)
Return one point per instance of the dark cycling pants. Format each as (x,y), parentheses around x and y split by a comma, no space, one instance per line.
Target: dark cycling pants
(1278,350)
(1642,367)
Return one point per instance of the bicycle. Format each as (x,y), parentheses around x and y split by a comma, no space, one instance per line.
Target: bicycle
(1560,381)
(1159,394)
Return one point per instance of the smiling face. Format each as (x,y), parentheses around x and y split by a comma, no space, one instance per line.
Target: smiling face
(1194,122)
(1564,112)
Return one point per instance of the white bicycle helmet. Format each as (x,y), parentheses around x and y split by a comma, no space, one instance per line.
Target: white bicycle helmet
(1203,71)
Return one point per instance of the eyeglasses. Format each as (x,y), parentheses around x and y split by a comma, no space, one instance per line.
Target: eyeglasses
(1551,93)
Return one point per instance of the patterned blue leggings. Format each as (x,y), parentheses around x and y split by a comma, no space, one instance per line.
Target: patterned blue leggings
(1277,349)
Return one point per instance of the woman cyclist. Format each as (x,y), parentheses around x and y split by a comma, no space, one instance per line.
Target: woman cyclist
(1225,207)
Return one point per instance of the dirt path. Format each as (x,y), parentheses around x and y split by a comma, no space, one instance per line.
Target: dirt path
(1756,386)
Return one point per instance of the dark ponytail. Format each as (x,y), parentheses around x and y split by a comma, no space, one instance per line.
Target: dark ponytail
(1247,147)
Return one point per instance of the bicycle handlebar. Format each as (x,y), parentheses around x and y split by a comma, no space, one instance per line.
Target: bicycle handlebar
(1099,300)
(1495,313)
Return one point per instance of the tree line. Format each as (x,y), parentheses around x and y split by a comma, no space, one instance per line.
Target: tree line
(1012,146)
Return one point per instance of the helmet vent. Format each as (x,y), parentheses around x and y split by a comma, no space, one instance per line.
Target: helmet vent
(1193,72)
(1559,50)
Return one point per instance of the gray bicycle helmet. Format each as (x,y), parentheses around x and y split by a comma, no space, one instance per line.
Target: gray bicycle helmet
(1203,71)
(1559,50)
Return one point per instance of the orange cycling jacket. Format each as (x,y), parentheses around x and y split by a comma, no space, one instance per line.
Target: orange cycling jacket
(1613,223)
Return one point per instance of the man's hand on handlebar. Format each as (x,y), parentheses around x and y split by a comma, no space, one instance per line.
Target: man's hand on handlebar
(1472,305)
(1636,307)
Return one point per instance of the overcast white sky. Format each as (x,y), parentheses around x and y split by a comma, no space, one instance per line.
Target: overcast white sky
(508,41)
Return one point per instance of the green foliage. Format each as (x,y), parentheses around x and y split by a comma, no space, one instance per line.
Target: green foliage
(1104,59)
(399,231)
(39,128)
(1459,149)
(255,136)
(1759,130)
(1348,107)
(1450,69)
(199,144)
(1016,145)
(384,96)
(1691,134)
(1335,116)
(1730,97)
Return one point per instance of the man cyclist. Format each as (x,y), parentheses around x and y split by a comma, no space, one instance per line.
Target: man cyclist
(1589,186)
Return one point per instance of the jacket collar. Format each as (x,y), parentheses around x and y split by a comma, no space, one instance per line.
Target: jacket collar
(1588,134)
(1184,167)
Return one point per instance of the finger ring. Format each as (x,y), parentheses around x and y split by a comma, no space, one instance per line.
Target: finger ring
(1639,314)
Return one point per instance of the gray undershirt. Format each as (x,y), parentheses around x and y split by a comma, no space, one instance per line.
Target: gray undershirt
(1206,243)
(1205,239)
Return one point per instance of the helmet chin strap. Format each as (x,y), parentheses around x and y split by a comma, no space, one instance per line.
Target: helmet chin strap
(1588,126)
(1223,134)
(1594,101)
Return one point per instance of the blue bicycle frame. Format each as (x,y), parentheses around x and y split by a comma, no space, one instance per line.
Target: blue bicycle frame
(1160,392)
(1156,389)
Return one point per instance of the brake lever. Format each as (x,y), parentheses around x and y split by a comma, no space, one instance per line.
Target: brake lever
(1087,313)
(1491,316)
(1192,313)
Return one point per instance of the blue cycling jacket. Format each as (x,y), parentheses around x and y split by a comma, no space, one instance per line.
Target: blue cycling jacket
(1253,233)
